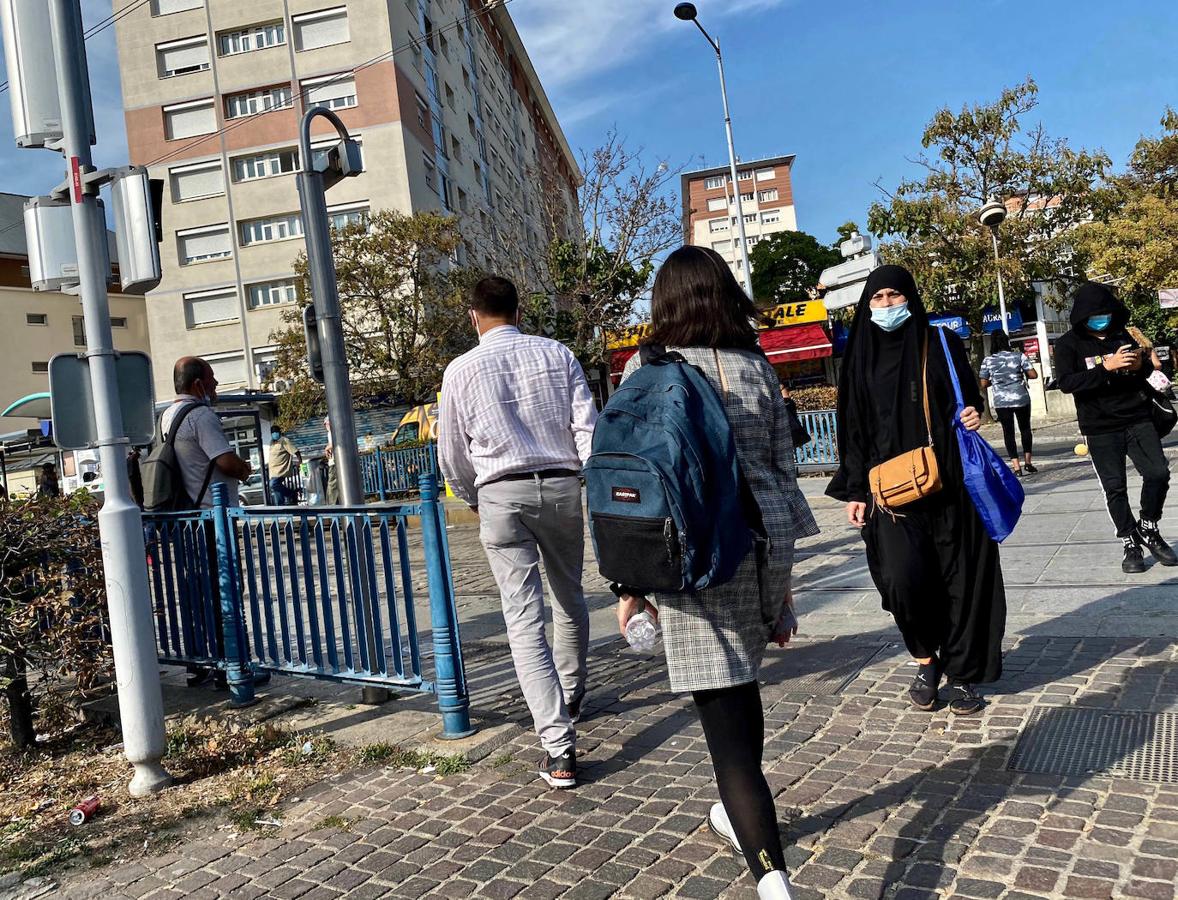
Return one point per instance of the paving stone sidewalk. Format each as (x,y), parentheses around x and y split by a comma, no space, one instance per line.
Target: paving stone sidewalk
(1066,787)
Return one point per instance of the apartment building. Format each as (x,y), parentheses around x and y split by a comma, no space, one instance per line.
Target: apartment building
(35,326)
(709,207)
(441,94)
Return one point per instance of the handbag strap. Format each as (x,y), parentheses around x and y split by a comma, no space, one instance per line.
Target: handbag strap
(952,373)
(928,419)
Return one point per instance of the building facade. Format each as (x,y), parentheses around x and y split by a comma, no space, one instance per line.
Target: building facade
(441,94)
(35,326)
(709,207)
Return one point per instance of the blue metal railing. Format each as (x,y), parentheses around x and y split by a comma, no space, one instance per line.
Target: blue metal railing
(822,452)
(321,592)
(393,474)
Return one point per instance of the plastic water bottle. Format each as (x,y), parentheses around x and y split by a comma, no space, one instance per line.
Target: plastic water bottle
(641,632)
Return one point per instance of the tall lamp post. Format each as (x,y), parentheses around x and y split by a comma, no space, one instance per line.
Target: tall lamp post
(992,215)
(688,13)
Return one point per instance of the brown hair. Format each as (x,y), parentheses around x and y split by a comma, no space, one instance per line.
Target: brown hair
(696,302)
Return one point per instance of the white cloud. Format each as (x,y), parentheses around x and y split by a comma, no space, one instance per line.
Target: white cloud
(571,42)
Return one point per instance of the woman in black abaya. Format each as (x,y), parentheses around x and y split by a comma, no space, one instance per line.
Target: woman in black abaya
(933,562)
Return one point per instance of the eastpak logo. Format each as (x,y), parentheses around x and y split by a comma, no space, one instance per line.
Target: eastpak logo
(627,495)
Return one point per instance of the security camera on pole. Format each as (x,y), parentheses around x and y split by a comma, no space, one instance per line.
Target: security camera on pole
(49,86)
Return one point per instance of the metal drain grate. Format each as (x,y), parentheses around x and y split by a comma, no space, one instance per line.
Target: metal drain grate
(1139,746)
(813,670)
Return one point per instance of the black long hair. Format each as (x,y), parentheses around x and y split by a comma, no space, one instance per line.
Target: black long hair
(696,302)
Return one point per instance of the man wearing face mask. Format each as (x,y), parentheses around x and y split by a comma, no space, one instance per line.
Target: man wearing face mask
(515,425)
(1106,371)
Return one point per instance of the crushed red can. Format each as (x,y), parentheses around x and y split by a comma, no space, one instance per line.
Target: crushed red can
(85,810)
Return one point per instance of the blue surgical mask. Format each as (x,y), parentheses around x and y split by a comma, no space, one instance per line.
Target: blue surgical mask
(1099,323)
(274,435)
(889,318)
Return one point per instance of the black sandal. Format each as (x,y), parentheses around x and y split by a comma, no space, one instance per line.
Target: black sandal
(964,700)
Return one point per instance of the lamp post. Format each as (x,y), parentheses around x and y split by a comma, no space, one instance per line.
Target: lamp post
(992,215)
(688,13)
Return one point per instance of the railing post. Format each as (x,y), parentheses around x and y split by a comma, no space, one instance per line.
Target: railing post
(450,678)
(380,474)
(239,673)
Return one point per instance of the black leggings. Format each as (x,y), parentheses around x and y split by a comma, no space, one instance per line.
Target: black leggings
(1007,415)
(734,725)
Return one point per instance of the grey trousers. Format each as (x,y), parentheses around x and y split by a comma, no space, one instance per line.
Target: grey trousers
(520,523)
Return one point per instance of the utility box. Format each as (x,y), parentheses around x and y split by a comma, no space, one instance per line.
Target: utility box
(136,219)
(32,75)
(53,254)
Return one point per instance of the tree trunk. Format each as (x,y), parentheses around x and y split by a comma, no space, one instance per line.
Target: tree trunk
(20,702)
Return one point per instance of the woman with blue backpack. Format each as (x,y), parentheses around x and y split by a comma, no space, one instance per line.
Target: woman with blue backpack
(714,636)
(903,480)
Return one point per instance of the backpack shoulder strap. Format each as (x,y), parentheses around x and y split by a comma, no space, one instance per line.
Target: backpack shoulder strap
(170,437)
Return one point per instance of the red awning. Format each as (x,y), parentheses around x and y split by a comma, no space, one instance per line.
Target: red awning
(617,362)
(796,342)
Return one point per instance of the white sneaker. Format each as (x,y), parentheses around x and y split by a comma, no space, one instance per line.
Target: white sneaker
(774,886)
(721,826)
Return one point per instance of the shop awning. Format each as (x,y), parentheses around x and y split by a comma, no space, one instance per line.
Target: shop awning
(796,342)
(34,406)
(617,362)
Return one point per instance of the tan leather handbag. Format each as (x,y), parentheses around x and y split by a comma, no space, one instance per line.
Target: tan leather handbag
(911,475)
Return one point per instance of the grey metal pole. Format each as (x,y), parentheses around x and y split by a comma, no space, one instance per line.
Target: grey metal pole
(1001,288)
(325,295)
(141,707)
(744,244)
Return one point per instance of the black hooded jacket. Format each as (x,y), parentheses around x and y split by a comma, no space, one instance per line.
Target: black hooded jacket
(1105,401)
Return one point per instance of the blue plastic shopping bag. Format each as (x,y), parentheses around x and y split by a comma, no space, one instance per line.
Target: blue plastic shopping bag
(993,487)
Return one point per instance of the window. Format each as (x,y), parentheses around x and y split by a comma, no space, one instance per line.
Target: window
(422,111)
(258,37)
(36,318)
(321,29)
(334,92)
(194,182)
(455,148)
(272,293)
(721,246)
(201,244)
(450,99)
(40,368)
(349,214)
(766,196)
(430,172)
(716,204)
(118,321)
(716,181)
(229,369)
(271,228)
(771,218)
(745,175)
(182,57)
(750,218)
(265,165)
(765,174)
(79,331)
(165,7)
(251,103)
(715,225)
(186,120)
(447,193)
(209,308)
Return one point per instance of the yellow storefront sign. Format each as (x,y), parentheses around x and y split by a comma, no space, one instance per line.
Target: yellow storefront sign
(800,313)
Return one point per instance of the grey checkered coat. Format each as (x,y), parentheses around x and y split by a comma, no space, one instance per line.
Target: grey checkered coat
(716,638)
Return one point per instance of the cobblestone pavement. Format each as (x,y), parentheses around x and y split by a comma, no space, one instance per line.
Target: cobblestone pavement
(1066,787)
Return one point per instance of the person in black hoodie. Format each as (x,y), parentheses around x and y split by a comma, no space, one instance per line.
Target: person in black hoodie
(937,570)
(1100,364)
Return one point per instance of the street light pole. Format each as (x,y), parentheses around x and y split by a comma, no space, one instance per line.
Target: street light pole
(991,216)
(687,12)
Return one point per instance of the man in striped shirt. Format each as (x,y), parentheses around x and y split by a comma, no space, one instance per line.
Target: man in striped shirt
(515,424)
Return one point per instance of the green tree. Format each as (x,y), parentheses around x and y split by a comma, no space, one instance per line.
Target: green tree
(844,234)
(786,267)
(972,156)
(403,307)
(1133,241)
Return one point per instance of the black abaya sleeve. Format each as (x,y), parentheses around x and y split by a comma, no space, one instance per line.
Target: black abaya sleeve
(850,482)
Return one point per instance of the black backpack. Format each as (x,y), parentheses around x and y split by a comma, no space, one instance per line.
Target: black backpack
(163,483)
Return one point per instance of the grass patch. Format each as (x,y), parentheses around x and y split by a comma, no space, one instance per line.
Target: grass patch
(400,758)
(501,760)
(334,823)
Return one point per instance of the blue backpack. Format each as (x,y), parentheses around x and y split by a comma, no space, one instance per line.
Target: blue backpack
(669,510)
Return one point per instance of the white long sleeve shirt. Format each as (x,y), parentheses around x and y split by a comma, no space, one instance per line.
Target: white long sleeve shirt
(515,403)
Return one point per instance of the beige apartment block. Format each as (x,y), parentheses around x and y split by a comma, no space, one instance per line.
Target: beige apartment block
(35,326)
(709,207)
(441,94)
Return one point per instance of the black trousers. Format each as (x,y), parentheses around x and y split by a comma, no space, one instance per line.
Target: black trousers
(1140,443)
(940,576)
(1007,415)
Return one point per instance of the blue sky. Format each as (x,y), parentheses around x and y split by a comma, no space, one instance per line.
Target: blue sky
(847,87)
